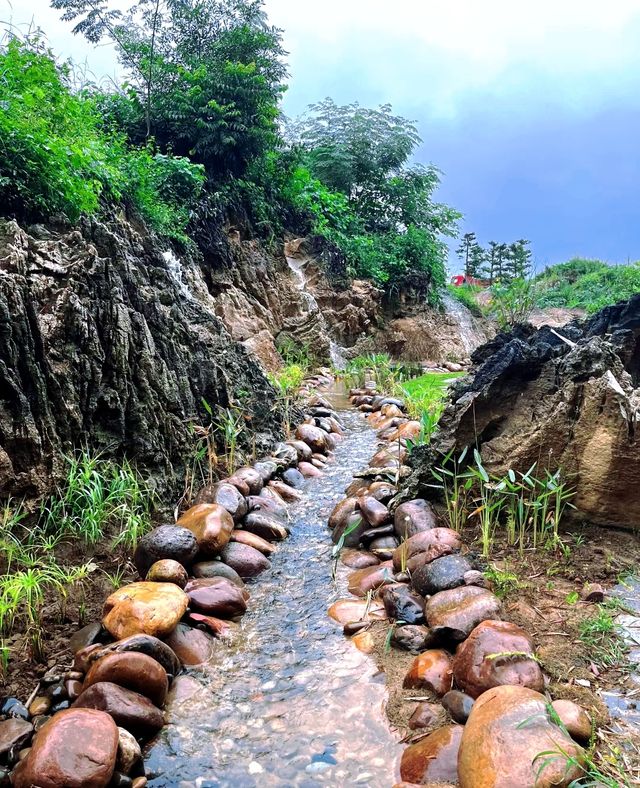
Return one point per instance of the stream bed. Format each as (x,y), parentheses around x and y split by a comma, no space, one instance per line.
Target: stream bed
(291,702)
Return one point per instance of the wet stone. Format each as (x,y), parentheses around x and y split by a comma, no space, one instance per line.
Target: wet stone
(383,547)
(293,478)
(412,517)
(358,559)
(129,752)
(246,561)
(496,653)
(130,669)
(574,718)
(374,512)
(216,596)
(266,525)
(425,715)
(217,569)
(225,495)
(253,540)
(149,608)
(144,644)
(77,748)
(413,638)
(267,501)
(128,709)
(211,524)
(433,544)
(440,575)
(251,477)
(39,705)
(432,671)
(14,733)
(403,604)
(459,610)
(434,758)
(85,637)
(508,759)
(191,646)
(458,705)
(309,470)
(12,707)
(167,571)
(362,581)
(167,541)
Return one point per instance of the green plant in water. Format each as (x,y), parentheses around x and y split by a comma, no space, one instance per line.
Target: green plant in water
(287,384)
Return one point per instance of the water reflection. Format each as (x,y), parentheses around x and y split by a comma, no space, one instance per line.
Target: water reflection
(292,702)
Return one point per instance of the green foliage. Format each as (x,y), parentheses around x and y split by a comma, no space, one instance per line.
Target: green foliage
(99,497)
(287,384)
(424,398)
(587,284)
(57,157)
(355,184)
(206,74)
(513,303)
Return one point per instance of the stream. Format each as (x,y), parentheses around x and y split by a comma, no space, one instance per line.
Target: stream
(291,702)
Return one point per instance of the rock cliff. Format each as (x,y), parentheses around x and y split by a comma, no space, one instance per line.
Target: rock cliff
(565,398)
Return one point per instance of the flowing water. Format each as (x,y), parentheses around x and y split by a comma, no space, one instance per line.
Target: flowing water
(292,702)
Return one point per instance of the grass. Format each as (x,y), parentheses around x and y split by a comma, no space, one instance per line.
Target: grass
(602,636)
(466,294)
(287,384)
(503,581)
(99,497)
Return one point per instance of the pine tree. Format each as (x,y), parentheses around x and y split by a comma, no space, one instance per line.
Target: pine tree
(492,261)
(464,251)
(477,260)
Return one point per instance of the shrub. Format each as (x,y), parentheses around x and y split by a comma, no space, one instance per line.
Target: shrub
(513,303)
(466,294)
(57,158)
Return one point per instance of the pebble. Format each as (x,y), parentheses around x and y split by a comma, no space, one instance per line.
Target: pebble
(39,705)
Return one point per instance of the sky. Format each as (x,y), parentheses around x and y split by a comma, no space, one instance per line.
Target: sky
(531,110)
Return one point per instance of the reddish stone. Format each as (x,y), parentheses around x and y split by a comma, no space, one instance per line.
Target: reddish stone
(217,626)
(216,596)
(346,611)
(434,758)
(286,492)
(459,610)
(225,495)
(253,540)
(77,748)
(369,579)
(424,542)
(191,646)
(129,709)
(246,560)
(496,653)
(430,670)
(308,470)
(574,718)
(503,739)
(313,437)
(425,715)
(413,517)
(151,608)
(132,670)
(211,524)
(358,559)
(341,511)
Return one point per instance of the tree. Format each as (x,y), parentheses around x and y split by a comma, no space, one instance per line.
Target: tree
(207,74)
(493,261)
(464,250)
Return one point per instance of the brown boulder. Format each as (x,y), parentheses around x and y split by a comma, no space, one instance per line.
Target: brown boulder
(435,542)
(253,540)
(216,596)
(308,470)
(14,733)
(504,741)
(434,758)
(240,484)
(150,608)
(265,525)
(168,571)
(341,512)
(574,718)
(459,610)
(496,653)
(143,644)
(226,495)
(191,646)
(369,579)
(286,492)
(364,641)
(413,517)
(251,477)
(225,630)
(217,569)
(358,559)
(374,512)
(430,670)
(346,611)
(211,524)
(131,670)
(77,748)
(246,560)
(425,715)
(313,437)
(129,709)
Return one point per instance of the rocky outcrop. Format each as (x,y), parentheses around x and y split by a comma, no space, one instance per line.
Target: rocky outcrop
(108,339)
(566,398)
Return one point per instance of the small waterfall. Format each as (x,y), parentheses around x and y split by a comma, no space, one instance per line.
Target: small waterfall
(174,267)
(336,353)
(468,332)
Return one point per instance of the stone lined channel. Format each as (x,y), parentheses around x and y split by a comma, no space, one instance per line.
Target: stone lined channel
(291,702)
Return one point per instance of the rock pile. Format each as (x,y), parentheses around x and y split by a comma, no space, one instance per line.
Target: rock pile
(483,670)
(86,725)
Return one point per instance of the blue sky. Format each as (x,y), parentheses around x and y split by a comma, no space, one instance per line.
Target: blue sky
(530,109)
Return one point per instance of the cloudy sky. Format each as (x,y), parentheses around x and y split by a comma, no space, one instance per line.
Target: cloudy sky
(530,109)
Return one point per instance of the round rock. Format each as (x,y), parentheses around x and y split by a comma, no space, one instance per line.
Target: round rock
(148,608)
(167,541)
(168,571)
(440,575)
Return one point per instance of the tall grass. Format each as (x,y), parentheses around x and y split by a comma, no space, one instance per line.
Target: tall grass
(99,497)
(287,384)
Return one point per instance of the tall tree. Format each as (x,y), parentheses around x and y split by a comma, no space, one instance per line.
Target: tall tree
(208,74)
(493,261)
(465,251)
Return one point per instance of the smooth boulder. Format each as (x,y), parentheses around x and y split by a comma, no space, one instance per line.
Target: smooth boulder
(403,604)
(216,596)
(77,748)
(362,581)
(413,517)
(143,644)
(225,495)
(191,646)
(217,569)
(247,561)
(496,653)
(459,610)
(167,541)
(131,670)
(167,571)
(433,759)
(130,710)
(313,437)
(149,608)
(211,524)
(504,739)
(435,543)
(430,670)
(440,575)
(265,525)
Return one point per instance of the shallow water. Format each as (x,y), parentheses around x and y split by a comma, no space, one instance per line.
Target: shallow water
(292,702)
